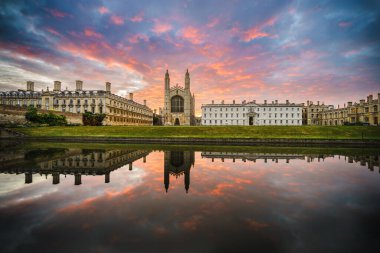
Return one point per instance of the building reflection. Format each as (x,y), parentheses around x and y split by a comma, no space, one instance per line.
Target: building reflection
(178,163)
(370,161)
(75,162)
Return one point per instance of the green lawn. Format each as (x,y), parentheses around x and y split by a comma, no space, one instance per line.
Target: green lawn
(284,132)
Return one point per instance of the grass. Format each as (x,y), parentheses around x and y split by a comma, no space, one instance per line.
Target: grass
(264,132)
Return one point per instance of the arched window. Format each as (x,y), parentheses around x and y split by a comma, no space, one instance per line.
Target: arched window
(177,104)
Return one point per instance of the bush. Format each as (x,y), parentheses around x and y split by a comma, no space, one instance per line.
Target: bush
(93,119)
(50,118)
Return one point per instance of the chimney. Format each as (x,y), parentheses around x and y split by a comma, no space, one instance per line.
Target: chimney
(108,87)
(57,86)
(308,103)
(254,101)
(79,85)
(317,102)
(265,102)
(287,102)
(378,96)
(276,101)
(222,102)
(131,96)
(349,103)
(30,86)
(362,101)
(145,102)
(369,99)
(212,102)
(233,101)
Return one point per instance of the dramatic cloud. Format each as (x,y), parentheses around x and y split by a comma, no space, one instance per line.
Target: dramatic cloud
(242,50)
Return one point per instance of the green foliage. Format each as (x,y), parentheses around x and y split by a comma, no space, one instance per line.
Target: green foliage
(93,119)
(50,118)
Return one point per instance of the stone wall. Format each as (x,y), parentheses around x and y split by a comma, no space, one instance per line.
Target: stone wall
(16,115)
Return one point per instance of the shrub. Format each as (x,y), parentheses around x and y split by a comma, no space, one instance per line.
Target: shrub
(50,118)
(93,119)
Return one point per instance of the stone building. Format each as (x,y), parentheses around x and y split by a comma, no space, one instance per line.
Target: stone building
(364,112)
(118,110)
(252,113)
(179,107)
(311,113)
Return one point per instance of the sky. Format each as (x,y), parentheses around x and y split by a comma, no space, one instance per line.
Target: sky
(238,49)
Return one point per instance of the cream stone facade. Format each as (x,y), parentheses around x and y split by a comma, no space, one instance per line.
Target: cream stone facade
(118,110)
(364,112)
(179,107)
(252,113)
(312,112)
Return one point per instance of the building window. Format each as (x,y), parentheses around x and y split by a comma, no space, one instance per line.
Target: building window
(177,104)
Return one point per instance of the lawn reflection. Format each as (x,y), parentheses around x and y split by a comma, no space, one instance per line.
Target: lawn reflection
(101,198)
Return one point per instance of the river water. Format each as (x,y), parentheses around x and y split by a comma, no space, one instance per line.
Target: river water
(133,198)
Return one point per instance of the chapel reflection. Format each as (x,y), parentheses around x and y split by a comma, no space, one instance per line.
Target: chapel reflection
(178,163)
(77,162)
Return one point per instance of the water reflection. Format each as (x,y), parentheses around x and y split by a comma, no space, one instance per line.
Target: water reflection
(61,161)
(370,161)
(134,199)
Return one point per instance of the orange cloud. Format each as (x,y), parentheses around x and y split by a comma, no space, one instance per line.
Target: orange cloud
(117,20)
(91,33)
(256,31)
(192,34)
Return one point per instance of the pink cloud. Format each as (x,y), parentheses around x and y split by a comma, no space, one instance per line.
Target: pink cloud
(161,27)
(138,18)
(192,34)
(57,13)
(213,22)
(137,37)
(91,33)
(53,31)
(103,10)
(117,20)
(344,24)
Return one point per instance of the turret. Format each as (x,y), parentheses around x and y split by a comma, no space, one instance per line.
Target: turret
(187,80)
(167,80)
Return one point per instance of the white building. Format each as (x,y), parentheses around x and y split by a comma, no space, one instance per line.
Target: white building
(252,113)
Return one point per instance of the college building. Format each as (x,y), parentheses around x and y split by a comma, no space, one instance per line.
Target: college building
(363,112)
(118,110)
(252,113)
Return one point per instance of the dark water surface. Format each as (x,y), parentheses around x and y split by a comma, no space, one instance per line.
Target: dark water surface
(123,198)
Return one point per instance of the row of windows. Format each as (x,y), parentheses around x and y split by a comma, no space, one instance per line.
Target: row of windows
(253,109)
(216,122)
(292,115)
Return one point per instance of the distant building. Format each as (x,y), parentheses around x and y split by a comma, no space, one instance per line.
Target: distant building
(311,113)
(179,103)
(157,118)
(364,112)
(118,110)
(252,113)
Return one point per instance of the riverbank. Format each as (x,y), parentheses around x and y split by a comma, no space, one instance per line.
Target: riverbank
(204,135)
